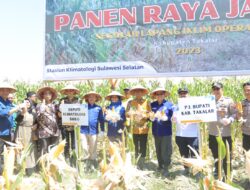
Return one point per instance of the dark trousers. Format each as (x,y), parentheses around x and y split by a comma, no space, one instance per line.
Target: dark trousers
(44,144)
(183,142)
(163,146)
(70,142)
(140,142)
(246,142)
(213,145)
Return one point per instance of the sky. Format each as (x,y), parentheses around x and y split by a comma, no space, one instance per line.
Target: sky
(22,40)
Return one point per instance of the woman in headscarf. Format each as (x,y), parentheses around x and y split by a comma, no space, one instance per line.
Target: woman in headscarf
(26,126)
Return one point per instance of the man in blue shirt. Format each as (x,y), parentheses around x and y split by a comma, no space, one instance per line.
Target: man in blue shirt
(6,115)
(162,128)
(89,133)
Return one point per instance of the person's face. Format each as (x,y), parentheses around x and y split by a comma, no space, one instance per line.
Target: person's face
(70,93)
(33,98)
(4,92)
(247,91)
(11,97)
(160,96)
(218,92)
(138,94)
(183,94)
(114,98)
(47,95)
(27,103)
(92,98)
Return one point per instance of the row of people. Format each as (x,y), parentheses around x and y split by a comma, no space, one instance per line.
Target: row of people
(44,121)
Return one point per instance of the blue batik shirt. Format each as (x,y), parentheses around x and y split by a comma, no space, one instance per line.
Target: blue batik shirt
(159,127)
(6,120)
(113,128)
(95,115)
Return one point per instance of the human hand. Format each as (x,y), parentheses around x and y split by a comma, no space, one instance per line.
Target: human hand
(225,121)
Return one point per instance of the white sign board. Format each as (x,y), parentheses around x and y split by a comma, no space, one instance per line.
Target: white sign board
(197,109)
(74,114)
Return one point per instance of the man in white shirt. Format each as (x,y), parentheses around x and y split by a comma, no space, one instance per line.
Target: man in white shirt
(186,134)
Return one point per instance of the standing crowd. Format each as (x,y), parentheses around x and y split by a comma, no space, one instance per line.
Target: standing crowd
(40,123)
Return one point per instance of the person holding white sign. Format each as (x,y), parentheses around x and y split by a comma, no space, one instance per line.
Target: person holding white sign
(68,131)
(115,115)
(186,133)
(89,133)
(162,111)
(226,114)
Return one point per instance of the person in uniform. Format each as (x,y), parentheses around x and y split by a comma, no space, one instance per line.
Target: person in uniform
(162,111)
(243,115)
(226,114)
(137,110)
(70,93)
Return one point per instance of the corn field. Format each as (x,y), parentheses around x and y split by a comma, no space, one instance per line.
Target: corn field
(119,171)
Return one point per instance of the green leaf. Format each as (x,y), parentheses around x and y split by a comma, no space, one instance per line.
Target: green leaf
(221,148)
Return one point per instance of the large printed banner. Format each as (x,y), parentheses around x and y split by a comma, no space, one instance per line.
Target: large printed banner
(197,109)
(154,38)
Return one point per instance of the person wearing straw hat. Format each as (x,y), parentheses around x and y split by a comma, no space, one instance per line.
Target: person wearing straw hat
(137,110)
(68,133)
(162,111)
(186,133)
(6,116)
(115,116)
(48,131)
(89,133)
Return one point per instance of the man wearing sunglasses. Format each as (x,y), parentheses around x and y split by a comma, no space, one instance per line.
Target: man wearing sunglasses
(226,114)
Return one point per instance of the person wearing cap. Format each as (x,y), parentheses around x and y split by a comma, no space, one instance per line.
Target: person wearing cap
(48,131)
(162,111)
(115,116)
(243,115)
(89,133)
(186,133)
(226,114)
(6,116)
(68,133)
(138,110)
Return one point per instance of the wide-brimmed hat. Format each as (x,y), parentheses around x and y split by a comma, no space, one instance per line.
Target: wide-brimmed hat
(5,85)
(69,87)
(159,90)
(40,92)
(114,93)
(98,96)
(138,87)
